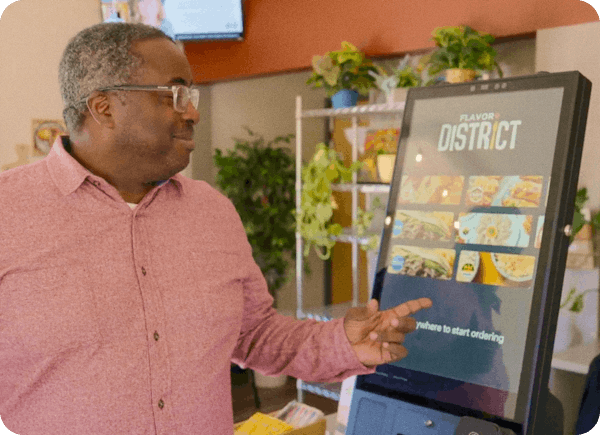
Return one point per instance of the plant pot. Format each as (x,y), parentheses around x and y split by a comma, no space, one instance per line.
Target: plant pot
(266,381)
(460,75)
(563,337)
(397,95)
(344,98)
(385,167)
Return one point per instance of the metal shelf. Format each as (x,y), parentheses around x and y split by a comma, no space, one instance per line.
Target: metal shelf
(349,236)
(331,391)
(328,312)
(362,187)
(576,359)
(364,109)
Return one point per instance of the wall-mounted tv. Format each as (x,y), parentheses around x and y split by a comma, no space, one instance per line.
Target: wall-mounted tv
(186,20)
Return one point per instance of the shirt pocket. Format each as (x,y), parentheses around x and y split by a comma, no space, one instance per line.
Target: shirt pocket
(49,309)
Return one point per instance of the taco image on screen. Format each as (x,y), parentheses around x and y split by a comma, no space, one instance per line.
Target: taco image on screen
(422,262)
(422,225)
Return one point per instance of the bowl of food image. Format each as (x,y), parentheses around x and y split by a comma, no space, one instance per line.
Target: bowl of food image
(513,267)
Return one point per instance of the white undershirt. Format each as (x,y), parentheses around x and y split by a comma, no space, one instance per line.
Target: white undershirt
(131,205)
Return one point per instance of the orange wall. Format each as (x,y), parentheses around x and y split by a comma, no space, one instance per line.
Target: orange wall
(283,35)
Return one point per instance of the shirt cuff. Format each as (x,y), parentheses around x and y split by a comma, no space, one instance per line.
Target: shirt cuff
(346,353)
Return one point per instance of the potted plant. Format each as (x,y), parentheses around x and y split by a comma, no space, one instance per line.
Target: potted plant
(395,84)
(386,162)
(570,329)
(259,178)
(344,74)
(461,54)
(581,249)
(314,219)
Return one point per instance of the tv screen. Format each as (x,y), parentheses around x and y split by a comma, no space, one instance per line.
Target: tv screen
(186,20)
(479,189)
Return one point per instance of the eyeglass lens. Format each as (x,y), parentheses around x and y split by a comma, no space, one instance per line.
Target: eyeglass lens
(183,96)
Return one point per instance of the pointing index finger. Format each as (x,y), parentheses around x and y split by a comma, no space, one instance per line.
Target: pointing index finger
(411,307)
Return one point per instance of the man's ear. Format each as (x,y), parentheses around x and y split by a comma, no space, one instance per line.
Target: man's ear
(99,106)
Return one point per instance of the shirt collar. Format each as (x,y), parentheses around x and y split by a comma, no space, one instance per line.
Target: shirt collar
(68,174)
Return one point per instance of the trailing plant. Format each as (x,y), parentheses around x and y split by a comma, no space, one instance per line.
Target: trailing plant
(259,178)
(579,218)
(575,300)
(461,47)
(314,219)
(347,68)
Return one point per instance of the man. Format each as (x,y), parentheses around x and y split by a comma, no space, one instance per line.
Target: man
(127,289)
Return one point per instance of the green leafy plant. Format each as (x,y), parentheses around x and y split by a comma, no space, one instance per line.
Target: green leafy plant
(314,219)
(461,47)
(575,300)
(406,75)
(347,68)
(579,218)
(259,178)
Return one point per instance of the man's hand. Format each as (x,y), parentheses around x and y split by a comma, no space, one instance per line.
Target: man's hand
(377,336)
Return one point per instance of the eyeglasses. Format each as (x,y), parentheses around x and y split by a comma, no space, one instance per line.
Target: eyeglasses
(182,95)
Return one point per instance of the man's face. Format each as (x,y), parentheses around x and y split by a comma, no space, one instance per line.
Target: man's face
(154,140)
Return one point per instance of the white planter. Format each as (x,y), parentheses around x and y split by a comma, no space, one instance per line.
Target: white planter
(397,95)
(573,329)
(379,97)
(385,167)
(564,333)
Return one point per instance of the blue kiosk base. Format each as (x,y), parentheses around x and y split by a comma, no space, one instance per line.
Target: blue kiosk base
(373,414)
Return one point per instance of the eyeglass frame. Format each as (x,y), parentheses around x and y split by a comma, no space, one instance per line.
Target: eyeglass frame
(193,94)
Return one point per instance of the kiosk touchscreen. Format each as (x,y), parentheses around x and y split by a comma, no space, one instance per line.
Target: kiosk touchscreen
(478,221)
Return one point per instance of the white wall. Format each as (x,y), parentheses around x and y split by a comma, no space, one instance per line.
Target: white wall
(33,35)
(572,48)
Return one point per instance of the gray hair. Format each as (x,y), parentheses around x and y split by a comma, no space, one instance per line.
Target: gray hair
(99,56)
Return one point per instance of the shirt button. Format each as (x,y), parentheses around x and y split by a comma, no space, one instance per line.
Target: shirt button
(156,336)
(161,404)
(143,271)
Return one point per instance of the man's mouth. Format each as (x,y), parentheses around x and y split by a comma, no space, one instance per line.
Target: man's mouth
(186,137)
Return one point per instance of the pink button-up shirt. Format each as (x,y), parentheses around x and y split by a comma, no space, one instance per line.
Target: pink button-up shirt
(124,321)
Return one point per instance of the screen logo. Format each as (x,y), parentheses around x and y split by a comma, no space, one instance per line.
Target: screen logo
(479,131)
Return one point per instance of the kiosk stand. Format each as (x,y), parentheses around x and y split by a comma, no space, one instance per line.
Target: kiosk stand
(368,417)
(478,220)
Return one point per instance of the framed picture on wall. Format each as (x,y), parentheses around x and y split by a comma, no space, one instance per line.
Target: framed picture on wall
(115,10)
(45,132)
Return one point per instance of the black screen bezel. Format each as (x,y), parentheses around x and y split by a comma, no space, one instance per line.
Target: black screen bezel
(552,255)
